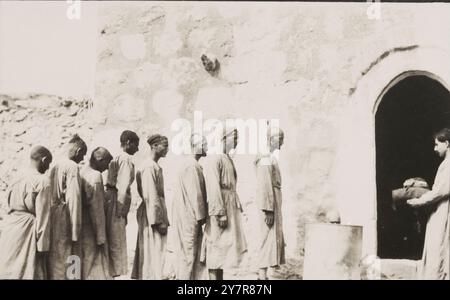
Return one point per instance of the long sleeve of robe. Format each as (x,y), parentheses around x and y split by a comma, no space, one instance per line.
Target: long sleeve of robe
(270,241)
(73,200)
(65,216)
(26,228)
(212,171)
(194,187)
(436,254)
(120,177)
(189,207)
(95,260)
(151,246)
(125,178)
(222,247)
(150,184)
(441,186)
(265,198)
(43,203)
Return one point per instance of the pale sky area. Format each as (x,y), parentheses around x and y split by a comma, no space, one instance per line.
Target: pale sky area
(43,51)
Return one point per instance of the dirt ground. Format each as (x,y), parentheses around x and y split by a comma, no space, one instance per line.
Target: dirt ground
(291,270)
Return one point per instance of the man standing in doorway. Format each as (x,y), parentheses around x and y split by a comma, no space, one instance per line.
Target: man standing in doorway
(436,254)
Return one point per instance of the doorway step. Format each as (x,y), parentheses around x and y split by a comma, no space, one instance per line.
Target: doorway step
(399,269)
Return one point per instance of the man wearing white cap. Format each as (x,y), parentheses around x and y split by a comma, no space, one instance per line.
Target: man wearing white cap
(224,240)
(270,249)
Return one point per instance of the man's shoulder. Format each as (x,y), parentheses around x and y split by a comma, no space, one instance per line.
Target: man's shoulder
(190,164)
(38,181)
(148,165)
(263,159)
(214,158)
(66,164)
(91,176)
(124,157)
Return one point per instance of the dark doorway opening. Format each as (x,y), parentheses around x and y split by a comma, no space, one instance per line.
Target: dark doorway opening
(408,115)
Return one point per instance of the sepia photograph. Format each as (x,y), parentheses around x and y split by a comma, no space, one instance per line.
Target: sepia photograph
(222,140)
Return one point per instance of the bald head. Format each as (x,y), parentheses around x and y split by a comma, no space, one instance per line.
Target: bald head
(100,159)
(41,158)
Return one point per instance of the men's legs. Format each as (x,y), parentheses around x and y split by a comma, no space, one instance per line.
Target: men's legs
(262,274)
(215,274)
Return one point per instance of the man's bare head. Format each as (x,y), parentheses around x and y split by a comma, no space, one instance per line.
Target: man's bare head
(230,138)
(276,138)
(159,144)
(41,158)
(77,149)
(129,141)
(100,159)
(199,145)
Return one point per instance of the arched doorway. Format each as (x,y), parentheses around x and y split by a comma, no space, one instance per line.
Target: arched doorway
(409,112)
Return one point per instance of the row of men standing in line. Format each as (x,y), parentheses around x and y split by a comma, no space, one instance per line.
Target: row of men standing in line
(88,219)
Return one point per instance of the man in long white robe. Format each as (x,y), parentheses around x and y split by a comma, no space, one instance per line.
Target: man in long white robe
(25,237)
(66,209)
(270,247)
(189,213)
(151,244)
(224,240)
(95,256)
(436,255)
(118,201)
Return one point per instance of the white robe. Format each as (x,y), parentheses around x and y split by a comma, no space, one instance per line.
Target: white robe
(26,230)
(95,256)
(120,177)
(270,244)
(223,248)
(189,207)
(436,255)
(151,246)
(65,217)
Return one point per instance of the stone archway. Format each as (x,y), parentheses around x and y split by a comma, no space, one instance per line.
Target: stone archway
(409,113)
(355,171)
